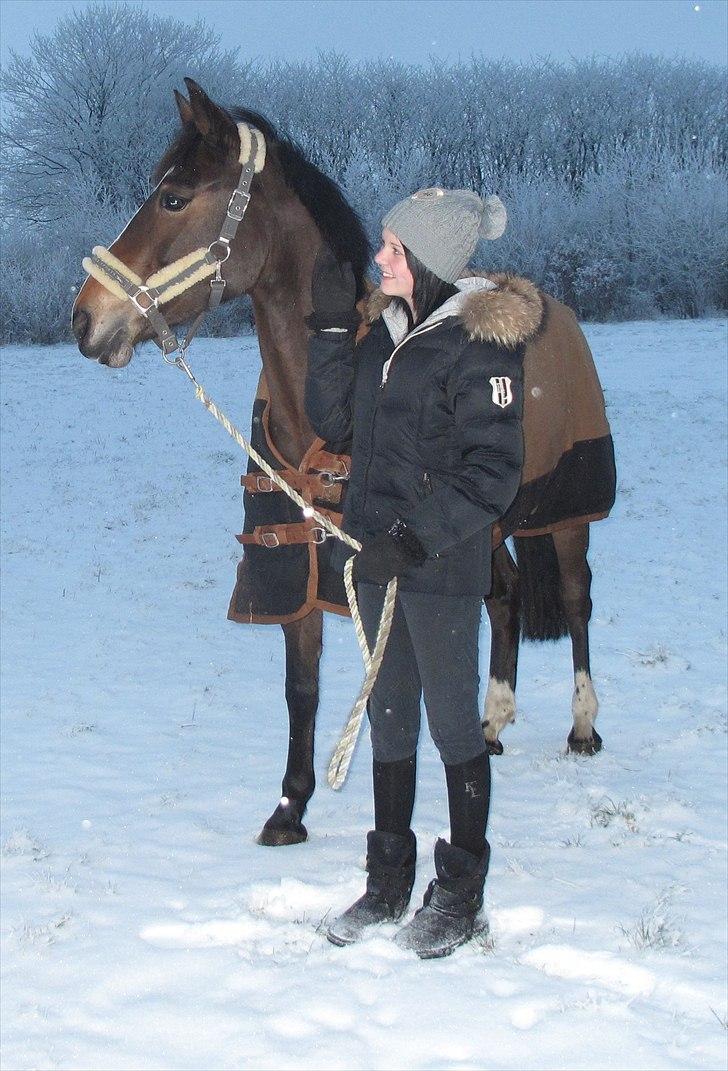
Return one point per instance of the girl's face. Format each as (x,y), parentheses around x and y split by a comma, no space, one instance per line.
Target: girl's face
(397,279)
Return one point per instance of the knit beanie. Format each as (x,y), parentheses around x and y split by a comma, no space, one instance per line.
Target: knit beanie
(442,227)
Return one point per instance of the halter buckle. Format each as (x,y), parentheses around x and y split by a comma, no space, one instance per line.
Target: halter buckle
(237,205)
(319,535)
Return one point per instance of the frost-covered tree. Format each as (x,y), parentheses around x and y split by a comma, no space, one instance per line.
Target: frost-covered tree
(88,113)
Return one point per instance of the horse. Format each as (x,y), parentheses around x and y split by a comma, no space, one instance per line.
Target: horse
(293,208)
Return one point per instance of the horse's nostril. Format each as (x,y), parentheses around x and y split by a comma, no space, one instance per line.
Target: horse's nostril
(80,324)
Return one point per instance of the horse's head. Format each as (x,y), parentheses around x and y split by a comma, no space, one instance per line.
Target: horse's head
(185,212)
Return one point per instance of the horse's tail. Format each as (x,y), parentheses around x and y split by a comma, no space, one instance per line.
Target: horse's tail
(542,611)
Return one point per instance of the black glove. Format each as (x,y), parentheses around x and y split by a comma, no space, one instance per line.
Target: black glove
(388,554)
(333,293)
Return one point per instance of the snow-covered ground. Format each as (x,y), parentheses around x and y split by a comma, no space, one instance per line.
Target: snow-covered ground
(144,739)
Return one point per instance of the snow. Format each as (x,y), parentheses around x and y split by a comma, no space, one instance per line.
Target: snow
(144,739)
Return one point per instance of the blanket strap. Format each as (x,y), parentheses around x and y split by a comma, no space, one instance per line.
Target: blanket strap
(284,535)
(337,464)
(320,485)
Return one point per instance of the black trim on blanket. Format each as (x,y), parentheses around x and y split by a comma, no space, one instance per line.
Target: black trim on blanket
(582,486)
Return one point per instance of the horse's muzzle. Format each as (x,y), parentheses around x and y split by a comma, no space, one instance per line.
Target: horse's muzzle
(113,350)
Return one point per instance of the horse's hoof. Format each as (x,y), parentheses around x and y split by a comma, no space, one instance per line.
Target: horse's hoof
(590,746)
(278,838)
(494,747)
(284,826)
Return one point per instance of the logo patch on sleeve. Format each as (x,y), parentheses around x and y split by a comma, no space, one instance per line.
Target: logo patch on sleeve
(502,393)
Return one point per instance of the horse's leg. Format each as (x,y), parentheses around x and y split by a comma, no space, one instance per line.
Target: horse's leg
(571,545)
(303,652)
(503,611)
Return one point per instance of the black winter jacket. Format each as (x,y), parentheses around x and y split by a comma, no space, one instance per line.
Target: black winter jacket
(436,434)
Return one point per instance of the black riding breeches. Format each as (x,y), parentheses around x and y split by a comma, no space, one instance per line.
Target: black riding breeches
(432,649)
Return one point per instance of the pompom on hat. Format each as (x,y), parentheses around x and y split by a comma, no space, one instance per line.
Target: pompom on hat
(442,227)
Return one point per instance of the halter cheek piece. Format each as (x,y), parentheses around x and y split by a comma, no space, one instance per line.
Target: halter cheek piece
(175,278)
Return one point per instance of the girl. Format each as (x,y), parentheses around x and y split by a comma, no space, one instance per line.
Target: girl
(433,406)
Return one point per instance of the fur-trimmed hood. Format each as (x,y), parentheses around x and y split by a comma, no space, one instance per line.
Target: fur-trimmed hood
(504,309)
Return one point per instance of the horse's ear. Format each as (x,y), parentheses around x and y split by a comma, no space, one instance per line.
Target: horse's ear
(184,108)
(215,125)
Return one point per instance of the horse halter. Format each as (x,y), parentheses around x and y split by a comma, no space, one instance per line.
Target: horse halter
(173,279)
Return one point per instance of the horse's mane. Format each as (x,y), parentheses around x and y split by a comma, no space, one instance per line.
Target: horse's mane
(338,222)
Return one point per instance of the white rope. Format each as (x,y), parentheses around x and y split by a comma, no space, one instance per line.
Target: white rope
(341,758)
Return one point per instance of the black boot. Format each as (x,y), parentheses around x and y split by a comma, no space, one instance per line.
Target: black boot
(390,877)
(449,911)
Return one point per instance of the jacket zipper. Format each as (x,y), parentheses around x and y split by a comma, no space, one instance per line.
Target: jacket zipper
(413,334)
(385,377)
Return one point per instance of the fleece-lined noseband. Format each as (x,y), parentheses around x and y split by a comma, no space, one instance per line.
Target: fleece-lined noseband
(175,278)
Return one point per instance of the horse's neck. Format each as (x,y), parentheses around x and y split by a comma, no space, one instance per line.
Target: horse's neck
(283,346)
(281,301)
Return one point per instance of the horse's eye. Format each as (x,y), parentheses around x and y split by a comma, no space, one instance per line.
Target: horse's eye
(172,203)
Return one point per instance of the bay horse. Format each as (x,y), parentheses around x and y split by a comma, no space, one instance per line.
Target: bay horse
(568,478)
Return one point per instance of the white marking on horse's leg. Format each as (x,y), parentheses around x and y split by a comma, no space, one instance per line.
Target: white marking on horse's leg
(584,705)
(500,708)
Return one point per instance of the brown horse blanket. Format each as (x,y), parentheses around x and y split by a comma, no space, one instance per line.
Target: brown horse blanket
(568,479)
(569,476)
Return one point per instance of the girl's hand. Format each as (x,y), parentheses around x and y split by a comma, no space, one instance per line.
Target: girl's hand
(333,294)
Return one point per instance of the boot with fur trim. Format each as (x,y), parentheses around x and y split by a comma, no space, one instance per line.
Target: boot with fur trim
(390,876)
(449,911)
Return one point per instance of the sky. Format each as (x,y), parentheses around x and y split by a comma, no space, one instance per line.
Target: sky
(414,30)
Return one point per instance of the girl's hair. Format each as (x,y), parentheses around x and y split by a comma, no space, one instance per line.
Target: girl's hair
(429,291)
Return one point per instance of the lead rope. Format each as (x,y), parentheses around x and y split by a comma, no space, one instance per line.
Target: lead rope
(341,758)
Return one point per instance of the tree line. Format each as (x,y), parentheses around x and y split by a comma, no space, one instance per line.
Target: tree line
(613,171)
